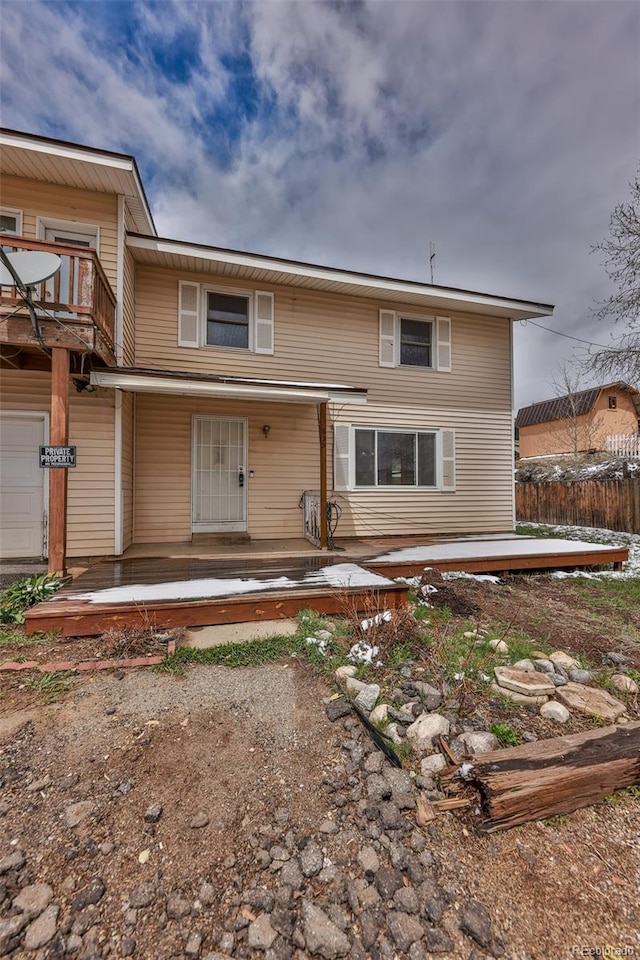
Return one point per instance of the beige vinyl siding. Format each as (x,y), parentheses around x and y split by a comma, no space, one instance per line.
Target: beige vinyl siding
(90,524)
(335,339)
(284,465)
(129,309)
(128,403)
(322,337)
(482,501)
(54,202)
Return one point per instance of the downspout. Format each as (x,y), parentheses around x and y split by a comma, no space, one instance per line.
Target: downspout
(117,466)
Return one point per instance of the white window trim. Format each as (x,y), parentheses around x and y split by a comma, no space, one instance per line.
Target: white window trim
(438,432)
(438,326)
(72,226)
(433,323)
(232,292)
(11,212)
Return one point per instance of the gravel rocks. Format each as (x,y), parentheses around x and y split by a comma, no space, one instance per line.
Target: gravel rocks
(425,730)
(476,923)
(153,813)
(321,935)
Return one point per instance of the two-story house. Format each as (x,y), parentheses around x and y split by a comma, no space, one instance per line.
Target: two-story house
(205,390)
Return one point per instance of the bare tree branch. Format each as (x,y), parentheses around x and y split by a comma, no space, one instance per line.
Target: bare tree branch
(620,252)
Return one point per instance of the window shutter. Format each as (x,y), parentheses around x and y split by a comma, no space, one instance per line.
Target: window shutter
(263,322)
(387,338)
(443,356)
(448,460)
(188,314)
(341,456)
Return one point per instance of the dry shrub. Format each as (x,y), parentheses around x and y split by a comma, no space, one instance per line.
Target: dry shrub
(400,630)
(144,641)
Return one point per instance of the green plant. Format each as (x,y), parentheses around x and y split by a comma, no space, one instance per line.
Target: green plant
(505,734)
(404,750)
(50,685)
(13,638)
(614,799)
(25,593)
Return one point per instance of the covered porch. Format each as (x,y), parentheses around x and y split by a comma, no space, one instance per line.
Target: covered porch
(210,460)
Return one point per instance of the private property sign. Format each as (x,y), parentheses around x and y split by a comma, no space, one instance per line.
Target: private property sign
(57,456)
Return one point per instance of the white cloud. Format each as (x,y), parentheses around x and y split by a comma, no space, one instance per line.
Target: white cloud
(504,132)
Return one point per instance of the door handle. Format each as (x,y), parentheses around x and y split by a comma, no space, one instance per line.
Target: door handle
(241,478)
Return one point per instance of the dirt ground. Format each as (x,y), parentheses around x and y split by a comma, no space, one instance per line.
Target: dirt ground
(251,748)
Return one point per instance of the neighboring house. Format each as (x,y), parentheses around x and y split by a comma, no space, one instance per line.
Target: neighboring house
(578,422)
(222,385)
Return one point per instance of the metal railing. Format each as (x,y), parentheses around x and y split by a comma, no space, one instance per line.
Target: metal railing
(624,445)
(311,516)
(79,291)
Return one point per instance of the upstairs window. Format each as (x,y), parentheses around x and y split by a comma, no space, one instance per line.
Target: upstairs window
(224,319)
(411,341)
(10,221)
(613,403)
(416,339)
(227,320)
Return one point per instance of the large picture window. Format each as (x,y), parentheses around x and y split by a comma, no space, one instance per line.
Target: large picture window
(385,458)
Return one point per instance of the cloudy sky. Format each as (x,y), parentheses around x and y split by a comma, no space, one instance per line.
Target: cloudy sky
(354,134)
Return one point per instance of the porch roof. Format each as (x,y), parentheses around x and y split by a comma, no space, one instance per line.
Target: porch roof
(141,380)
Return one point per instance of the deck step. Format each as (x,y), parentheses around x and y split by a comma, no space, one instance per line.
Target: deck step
(219,539)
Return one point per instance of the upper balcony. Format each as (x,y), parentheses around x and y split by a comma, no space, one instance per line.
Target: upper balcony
(75,309)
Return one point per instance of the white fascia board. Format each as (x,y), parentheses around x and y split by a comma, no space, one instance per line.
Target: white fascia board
(197,388)
(256,262)
(67,151)
(347,397)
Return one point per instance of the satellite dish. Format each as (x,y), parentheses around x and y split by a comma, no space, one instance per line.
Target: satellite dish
(31,266)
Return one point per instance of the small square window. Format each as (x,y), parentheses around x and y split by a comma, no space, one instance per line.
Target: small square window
(416,342)
(10,221)
(613,403)
(227,320)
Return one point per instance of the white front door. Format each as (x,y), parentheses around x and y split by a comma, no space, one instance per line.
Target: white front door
(21,486)
(219,475)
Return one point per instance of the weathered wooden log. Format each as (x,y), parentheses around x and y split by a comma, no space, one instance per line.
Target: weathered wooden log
(552,777)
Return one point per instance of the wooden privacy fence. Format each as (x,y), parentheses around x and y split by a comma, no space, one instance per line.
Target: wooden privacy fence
(612,504)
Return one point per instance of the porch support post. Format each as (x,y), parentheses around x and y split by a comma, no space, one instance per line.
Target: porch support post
(59,436)
(322,423)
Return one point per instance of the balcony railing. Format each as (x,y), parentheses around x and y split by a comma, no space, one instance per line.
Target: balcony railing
(78,293)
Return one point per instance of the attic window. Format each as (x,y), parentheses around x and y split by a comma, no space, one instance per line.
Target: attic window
(613,403)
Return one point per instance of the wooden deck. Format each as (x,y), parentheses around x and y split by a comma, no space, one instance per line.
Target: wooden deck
(497,555)
(189,590)
(195,592)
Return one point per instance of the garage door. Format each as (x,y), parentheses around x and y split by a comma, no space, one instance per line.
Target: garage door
(21,486)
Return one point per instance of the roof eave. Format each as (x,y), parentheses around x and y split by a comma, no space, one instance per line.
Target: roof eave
(366,283)
(64,150)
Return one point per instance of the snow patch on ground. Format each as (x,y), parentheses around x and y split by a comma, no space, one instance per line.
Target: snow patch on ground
(362,652)
(461,575)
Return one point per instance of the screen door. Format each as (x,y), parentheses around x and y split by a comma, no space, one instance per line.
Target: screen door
(219,475)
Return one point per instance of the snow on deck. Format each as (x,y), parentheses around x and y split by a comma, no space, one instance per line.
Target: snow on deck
(474,549)
(339,576)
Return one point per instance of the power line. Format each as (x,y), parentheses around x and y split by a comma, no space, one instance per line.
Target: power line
(568,336)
